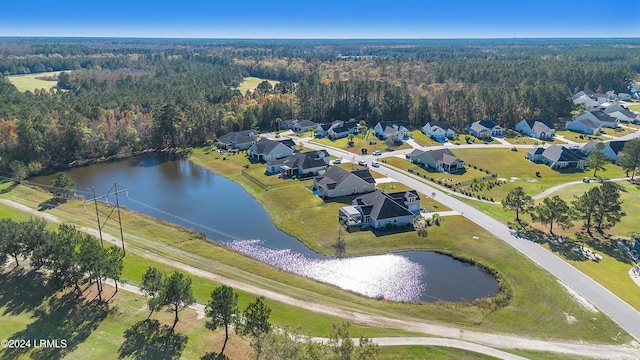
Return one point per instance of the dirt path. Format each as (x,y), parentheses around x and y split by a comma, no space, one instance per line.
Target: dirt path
(551,190)
(500,341)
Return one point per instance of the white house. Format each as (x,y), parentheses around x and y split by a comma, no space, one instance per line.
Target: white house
(584,126)
(621,113)
(265,150)
(599,117)
(612,149)
(439,130)
(536,128)
(558,157)
(379,209)
(484,129)
(442,160)
(300,164)
(397,130)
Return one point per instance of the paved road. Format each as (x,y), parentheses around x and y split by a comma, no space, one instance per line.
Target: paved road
(610,304)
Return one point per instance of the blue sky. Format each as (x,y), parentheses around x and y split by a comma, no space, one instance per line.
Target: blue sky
(322,19)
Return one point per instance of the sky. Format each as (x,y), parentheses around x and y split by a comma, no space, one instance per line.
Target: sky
(321,19)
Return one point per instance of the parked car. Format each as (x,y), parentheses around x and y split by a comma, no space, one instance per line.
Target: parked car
(337,161)
(586,180)
(362,163)
(375,164)
(377,153)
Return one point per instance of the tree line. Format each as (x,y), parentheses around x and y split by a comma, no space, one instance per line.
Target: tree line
(126,96)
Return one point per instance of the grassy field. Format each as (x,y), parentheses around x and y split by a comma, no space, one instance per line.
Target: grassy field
(422,139)
(469,173)
(578,137)
(250,83)
(361,141)
(30,82)
(519,171)
(634,107)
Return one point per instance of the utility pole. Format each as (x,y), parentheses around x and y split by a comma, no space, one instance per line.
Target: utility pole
(115,207)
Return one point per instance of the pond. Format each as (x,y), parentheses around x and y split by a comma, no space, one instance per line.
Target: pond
(183,193)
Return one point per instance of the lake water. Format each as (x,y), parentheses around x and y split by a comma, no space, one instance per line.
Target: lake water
(180,192)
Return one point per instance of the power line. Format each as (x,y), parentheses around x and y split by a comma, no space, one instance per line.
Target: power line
(113,191)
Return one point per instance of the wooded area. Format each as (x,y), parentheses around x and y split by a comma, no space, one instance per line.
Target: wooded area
(127,95)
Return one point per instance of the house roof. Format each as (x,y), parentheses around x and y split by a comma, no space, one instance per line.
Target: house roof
(265,146)
(558,153)
(482,125)
(614,108)
(602,117)
(626,112)
(238,137)
(344,126)
(305,160)
(337,175)
(617,146)
(380,205)
(306,123)
(540,124)
(536,151)
(444,125)
(590,124)
(288,143)
(444,156)
(397,124)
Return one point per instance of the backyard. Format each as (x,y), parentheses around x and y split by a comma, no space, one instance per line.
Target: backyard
(362,141)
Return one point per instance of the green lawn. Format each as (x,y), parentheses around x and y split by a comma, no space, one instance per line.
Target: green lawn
(250,83)
(519,171)
(578,137)
(524,140)
(634,107)
(422,139)
(618,131)
(469,174)
(361,141)
(30,82)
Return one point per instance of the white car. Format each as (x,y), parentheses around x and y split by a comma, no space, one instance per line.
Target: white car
(377,153)
(337,161)
(375,164)
(362,163)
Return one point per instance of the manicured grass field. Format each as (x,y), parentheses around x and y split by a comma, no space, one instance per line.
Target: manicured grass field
(469,174)
(31,82)
(361,141)
(620,131)
(634,107)
(578,137)
(250,83)
(519,171)
(423,140)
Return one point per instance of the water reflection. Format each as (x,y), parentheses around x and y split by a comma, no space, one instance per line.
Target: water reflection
(391,277)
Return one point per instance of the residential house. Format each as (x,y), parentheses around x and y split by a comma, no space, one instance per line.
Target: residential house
(621,113)
(599,117)
(322,129)
(340,182)
(612,149)
(303,125)
(558,157)
(300,164)
(584,126)
(484,129)
(442,160)
(439,130)
(266,149)
(341,129)
(240,140)
(536,128)
(624,97)
(396,130)
(379,209)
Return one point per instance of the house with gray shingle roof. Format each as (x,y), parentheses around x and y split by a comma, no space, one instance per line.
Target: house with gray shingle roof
(240,140)
(396,130)
(439,130)
(621,113)
(542,129)
(484,129)
(300,164)
(266,149)
(340,182)
(379,209)
(584,126)
(600,117)
(558,157)
(442,160)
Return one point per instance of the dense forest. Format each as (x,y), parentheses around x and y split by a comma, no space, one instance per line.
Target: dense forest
(127,95)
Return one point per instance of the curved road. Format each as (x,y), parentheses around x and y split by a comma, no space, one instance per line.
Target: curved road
(617,309)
